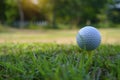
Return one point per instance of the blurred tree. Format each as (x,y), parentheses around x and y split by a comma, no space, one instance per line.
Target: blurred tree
(78,11)
(11,11)
(23,10)
(67,11)
(72,12)
(47,7)
(91,8)
(114,11)
(2,11)
(21,13)
(35,11)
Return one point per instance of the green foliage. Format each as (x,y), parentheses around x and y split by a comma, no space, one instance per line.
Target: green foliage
(36,61)
(113,16)
(69,12)
(114,11)
(78,11)
(8,11)
(91,9)
(11,12)
(2,11)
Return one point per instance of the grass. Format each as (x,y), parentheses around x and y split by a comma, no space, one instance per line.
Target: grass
(25,56)
(109,36)
(51,61)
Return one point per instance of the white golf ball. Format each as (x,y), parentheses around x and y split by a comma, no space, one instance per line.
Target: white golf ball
(88,38)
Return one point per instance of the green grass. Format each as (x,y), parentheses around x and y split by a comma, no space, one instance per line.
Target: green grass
(38,61)
(109,36)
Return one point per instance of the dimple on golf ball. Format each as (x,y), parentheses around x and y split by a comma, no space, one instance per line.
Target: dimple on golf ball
(88,38)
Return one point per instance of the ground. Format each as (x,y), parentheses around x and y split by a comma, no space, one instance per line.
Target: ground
(36,61)
(54,55)
(109,36)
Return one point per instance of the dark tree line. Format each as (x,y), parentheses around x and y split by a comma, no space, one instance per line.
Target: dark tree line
(74,12)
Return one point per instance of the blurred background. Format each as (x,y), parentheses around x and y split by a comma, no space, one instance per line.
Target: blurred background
(58,20)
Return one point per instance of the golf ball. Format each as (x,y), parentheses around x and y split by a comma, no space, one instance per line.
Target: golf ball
(88,38)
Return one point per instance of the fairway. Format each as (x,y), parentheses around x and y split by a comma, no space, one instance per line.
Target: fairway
(54,55)
(36,61)
(109,36)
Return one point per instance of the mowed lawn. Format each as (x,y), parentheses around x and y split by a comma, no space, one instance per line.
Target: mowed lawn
(53,55)
(37,61)
(109,36)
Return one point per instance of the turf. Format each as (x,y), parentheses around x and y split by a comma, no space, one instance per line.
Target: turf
(109,36)
(50,61)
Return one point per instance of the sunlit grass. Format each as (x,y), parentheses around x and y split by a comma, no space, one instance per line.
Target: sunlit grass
(109,36)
